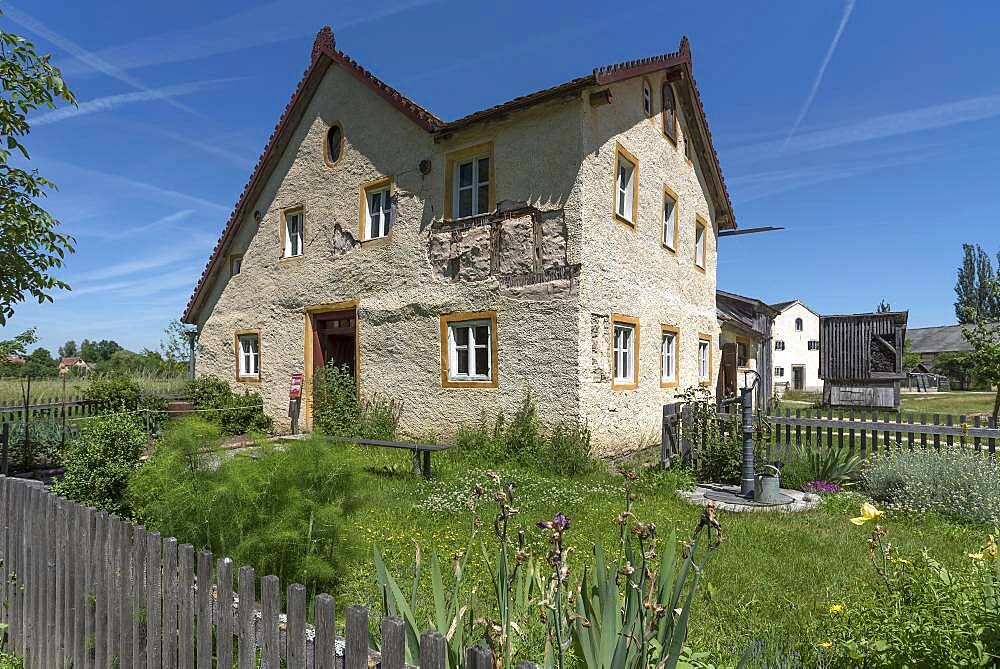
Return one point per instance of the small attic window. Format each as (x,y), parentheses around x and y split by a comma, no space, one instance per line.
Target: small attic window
(647,99)
(669,113)
(334,144)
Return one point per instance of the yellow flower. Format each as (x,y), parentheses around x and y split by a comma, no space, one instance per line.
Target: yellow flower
(868,512)
(903,561)
(837,608)
(826,644)
(989,550)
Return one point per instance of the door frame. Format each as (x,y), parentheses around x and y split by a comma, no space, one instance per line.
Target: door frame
(307,371)
(803,368)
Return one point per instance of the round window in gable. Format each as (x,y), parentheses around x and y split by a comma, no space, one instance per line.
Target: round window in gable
(334,144)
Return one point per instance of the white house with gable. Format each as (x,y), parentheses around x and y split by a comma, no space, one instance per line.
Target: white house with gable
(795,340)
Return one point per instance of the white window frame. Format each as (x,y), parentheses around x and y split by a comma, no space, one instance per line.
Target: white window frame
(704,357)
(625,186)
(668,357)
(799,325)
(384,214)
(779,372)
(294,242)
(623,356)
(810,346)
(700,230)
(248,355)
(475,186)
(472,346)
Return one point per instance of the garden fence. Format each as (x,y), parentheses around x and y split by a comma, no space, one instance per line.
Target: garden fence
(869,432)
(89,590)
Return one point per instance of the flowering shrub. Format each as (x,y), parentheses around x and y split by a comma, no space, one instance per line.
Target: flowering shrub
(958,484)
(822,486)
(921,614)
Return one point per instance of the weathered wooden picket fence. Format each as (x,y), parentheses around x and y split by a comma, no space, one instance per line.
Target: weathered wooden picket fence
(868,432)
(89,590)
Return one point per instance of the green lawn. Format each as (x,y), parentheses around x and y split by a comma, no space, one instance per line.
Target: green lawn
(956,402)
(774,576)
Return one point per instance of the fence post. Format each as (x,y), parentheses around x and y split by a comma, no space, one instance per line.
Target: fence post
(326,633)
(62,435)
(356,631)
(4,447)
(26,449)
(432,650)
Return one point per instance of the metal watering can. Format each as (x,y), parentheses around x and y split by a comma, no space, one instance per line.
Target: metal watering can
(766,486)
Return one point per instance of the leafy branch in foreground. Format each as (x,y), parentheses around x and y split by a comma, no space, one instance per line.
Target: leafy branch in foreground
(30,246)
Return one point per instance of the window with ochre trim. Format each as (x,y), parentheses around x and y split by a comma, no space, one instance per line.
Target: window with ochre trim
(624,352)
(469,349)
(470,178)
(704,359)
(669,219)
(293,233)
(248,355)
(700,235)
(377,214)
(626,186)
(669,349)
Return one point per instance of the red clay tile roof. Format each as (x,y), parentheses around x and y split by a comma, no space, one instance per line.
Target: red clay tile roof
(324,53)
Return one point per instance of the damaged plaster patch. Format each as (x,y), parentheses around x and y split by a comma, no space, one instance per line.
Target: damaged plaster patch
(341,241)
(600,348)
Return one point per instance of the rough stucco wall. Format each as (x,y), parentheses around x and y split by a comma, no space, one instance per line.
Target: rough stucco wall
(627,271)
(401,291)
(797,346)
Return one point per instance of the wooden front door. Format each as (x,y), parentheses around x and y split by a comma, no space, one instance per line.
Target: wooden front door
(335,339)
(798,377)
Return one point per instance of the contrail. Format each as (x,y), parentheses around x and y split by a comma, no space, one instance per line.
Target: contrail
(848,8)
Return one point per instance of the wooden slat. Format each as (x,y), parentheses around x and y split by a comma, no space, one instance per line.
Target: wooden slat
(224,612)
(949,422)
(203,603)
(356,638)
(247,646)
(296,605)
(154,601)
(270,610)
(185,606)
(324,646)
(168,656)
(139,545)
(393,644)
(977,441)
(909,430)
(432,651)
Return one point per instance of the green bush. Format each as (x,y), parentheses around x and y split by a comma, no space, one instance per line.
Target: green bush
(337,410)
(717,439)
(233,412)
(282,511)
(958,484)
(97,465)
(565,449)
(113,392)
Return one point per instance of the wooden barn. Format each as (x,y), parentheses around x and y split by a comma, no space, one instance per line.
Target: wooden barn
(861,359)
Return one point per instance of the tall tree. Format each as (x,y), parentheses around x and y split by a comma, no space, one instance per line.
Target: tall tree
(30,246)
(975,297)
(985,358)
(68,350)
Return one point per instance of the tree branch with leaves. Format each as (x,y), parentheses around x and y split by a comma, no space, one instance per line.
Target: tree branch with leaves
(31,247)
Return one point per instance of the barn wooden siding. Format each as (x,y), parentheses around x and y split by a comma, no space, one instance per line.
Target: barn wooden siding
(845,345)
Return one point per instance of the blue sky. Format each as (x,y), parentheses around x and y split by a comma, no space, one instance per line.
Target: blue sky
(869,131)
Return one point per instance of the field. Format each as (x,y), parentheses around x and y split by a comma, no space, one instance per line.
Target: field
(969,403)
(43,390)
(774,577)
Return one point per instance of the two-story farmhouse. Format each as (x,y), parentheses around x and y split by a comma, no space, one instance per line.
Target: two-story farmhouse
(562,243)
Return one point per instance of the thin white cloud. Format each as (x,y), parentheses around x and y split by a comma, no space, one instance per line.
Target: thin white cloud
(86,57)
(109,102)
(252,28)
(188,252)
(877,127)
(158,192)
(848,8)
(124,232)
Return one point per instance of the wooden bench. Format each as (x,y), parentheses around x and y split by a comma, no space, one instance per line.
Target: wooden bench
(419,450)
